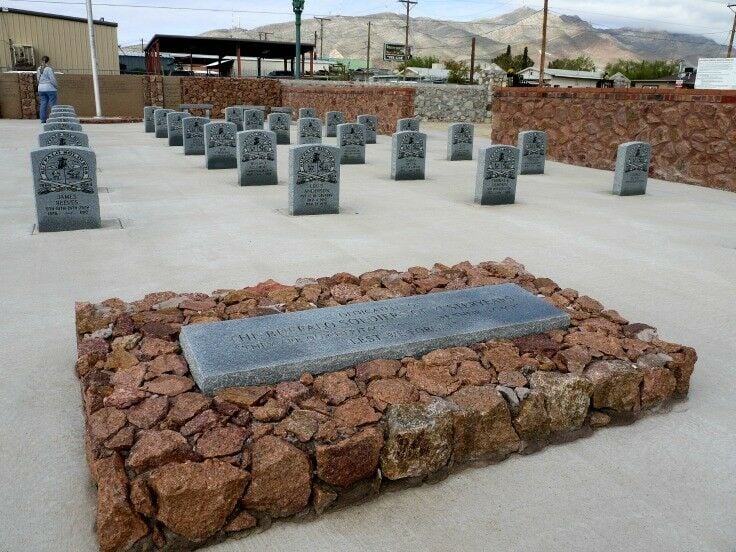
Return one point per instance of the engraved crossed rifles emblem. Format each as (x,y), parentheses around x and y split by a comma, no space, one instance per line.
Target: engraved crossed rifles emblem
(65,177)
(638,163)
(316,169)
(501,168)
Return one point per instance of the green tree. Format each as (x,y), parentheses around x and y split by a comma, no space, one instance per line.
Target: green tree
(643,70)
(521,61)
(419,61)
(580,63)
(504,61)
(459,71)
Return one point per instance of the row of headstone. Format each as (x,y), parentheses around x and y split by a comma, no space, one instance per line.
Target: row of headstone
(65,175)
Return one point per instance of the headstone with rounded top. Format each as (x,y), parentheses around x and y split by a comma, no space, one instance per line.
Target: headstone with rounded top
(63,138)
(253,119)
(62,126)
(159,122)
(314,180)
(63,119)
(533,150)
(257,158)
(307,112)
(460,142)
(371,125)
(495,182)
(148,123)
(408,155)
(351,141)
(220,147)
(65,184)
(174,128)
(332,119)
(632,168)
(309,130)
(280,123)
(408,123)
(192,129)
(283,109)
(234,114)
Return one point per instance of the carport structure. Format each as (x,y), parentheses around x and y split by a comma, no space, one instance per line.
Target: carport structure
(182,46)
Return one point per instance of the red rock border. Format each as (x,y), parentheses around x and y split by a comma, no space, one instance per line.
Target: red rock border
(176,469)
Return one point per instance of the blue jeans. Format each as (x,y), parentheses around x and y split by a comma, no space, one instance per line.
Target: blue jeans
(48,100)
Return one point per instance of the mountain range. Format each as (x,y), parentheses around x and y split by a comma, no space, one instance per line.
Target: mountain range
(568,36)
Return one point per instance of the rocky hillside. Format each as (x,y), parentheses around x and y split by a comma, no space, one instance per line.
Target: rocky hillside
(569,36)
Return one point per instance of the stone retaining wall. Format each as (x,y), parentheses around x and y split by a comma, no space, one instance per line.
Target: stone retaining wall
(451,102)
(177,469)
(389,103)
(692,132)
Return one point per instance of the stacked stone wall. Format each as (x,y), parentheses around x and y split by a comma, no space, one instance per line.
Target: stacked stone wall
(692,132)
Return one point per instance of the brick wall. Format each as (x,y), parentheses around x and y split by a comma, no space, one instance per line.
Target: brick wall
(389,103)
(692,132)
(224,92)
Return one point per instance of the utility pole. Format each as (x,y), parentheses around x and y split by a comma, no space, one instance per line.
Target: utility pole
(733,30)
(93,54)
(368,52)
(409,4)
(544,44)
(472,60)
(322,34)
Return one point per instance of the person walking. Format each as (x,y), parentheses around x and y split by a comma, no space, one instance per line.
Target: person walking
(47,88)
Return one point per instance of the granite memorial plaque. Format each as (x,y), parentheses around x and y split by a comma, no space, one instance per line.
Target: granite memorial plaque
(280,123)
(351,141)
(309,130)
(159,122)
(253,119)
(632,168)
(257,157)
(533,150)
(174,128)
(308,112)
(76,127)
(148,123)
(460,142)
(192,129)
(234,114)
(371,125)
(65,182)
(408,155)
(332,119)
(270,349)
(409,123)
(63,138)
(220,148)
(314,180)
(495,181)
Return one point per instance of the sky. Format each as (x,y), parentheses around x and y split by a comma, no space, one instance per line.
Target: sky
(140,19)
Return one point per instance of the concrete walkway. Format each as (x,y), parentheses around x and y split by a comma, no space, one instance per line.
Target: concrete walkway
(668,258)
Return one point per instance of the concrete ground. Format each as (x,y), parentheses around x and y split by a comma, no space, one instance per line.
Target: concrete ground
(667,258)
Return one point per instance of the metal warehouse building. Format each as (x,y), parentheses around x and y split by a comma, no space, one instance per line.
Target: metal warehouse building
(26,36)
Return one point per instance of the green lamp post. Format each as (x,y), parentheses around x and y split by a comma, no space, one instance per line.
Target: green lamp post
(298,6)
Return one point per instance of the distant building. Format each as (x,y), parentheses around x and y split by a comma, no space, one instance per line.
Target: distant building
(27,36)
(685,79)
(566,78)
(620,80)
(437,74)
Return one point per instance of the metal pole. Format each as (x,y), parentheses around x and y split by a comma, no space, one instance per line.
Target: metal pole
(298,66)
(368,53)
(321,35)
(93,54)
(472,60)
(733,31)
(544,44)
